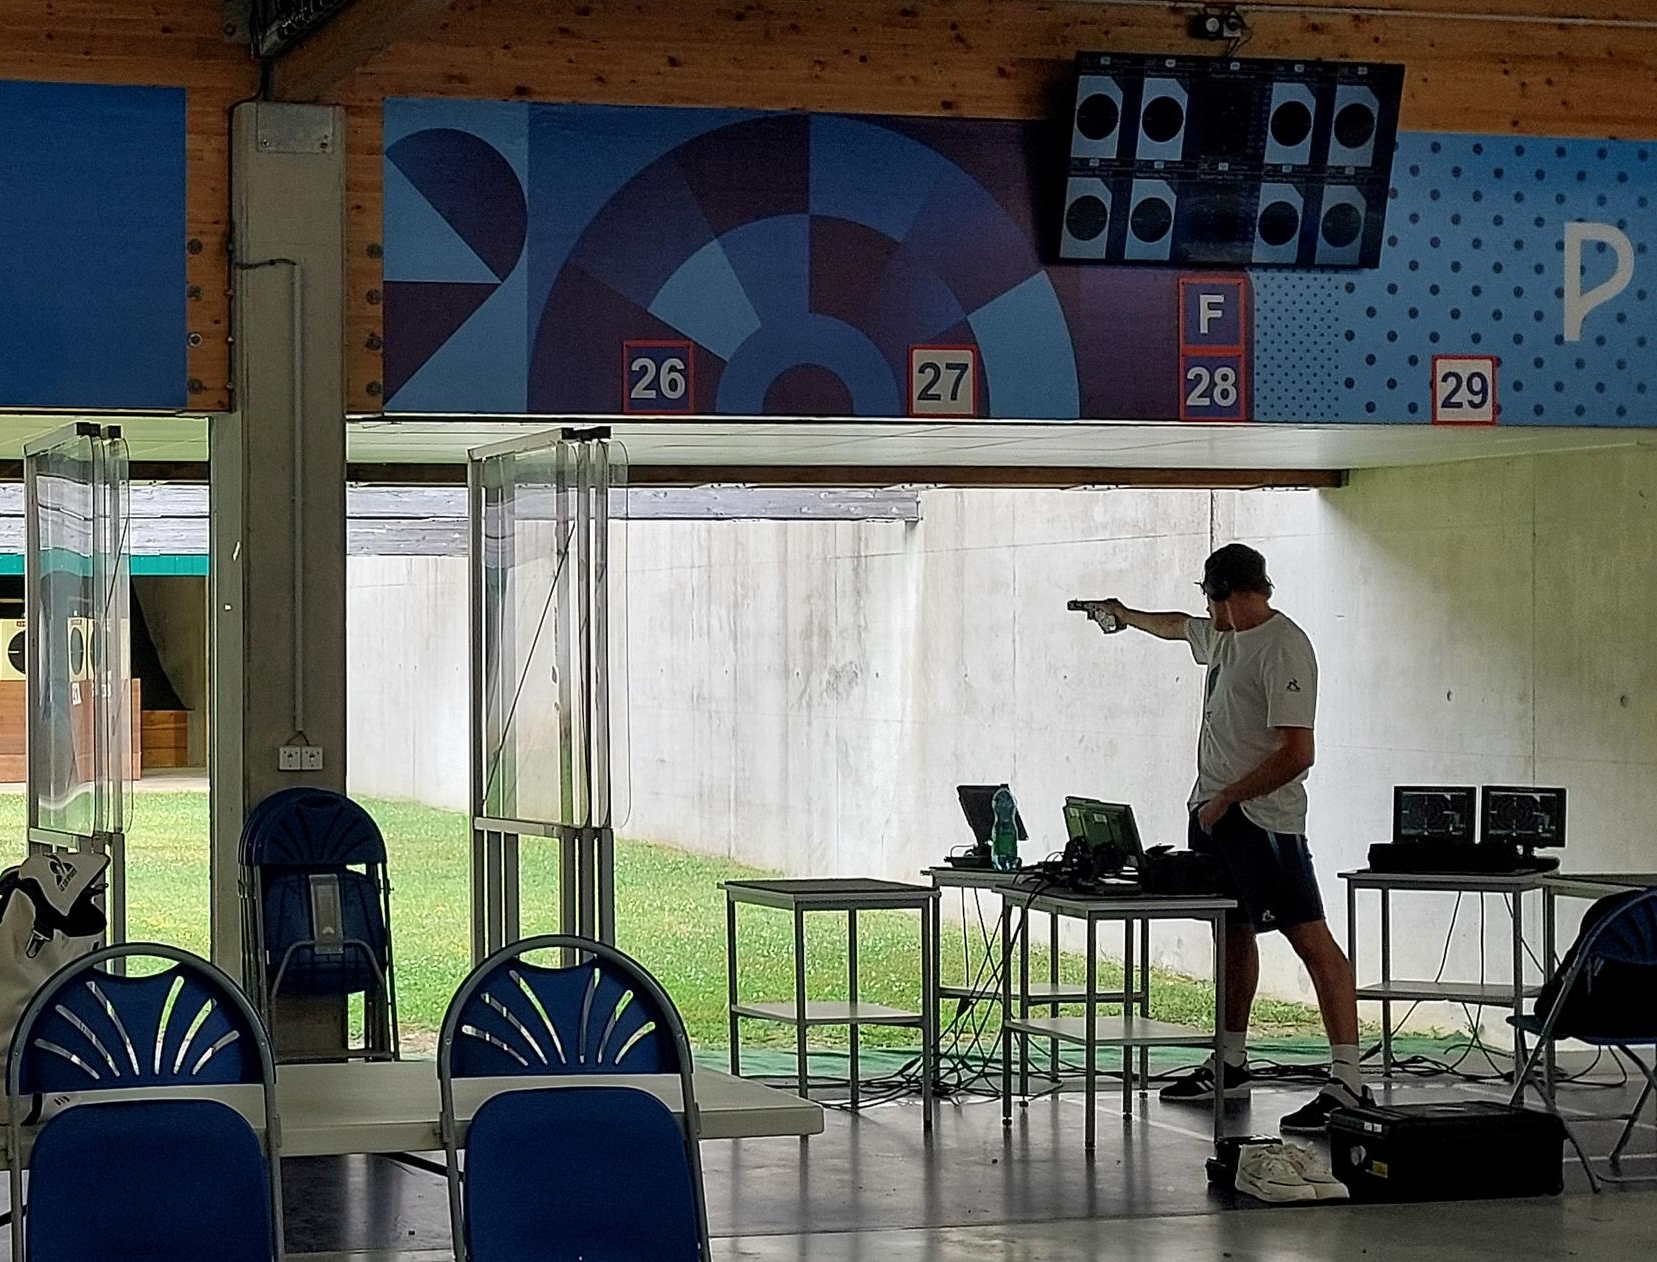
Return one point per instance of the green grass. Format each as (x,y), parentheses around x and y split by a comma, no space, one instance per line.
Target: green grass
(671,915)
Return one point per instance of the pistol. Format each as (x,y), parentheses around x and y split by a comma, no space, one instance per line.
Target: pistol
(1095,610)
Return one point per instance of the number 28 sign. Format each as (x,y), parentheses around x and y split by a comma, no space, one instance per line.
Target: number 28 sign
(1213,348)
(1464,390)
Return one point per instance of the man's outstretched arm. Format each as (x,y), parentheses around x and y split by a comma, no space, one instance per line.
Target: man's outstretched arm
(1165,626)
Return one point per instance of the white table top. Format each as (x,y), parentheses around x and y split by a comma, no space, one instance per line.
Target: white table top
(388,1107)
(1364,878)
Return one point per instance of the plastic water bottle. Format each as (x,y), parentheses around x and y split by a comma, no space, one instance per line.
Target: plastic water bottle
(1004,831)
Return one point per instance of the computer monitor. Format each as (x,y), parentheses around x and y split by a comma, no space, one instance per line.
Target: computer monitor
(1527,819)
(1434,813)
(977,804)
(1097,823)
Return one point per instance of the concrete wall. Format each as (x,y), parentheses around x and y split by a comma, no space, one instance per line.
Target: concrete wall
(807,696)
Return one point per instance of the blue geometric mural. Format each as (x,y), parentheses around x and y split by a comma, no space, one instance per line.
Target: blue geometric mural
(571,260)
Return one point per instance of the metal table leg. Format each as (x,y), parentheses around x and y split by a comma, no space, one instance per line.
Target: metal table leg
(799,1004)
(930,929)
(1145,1000)
(851,983)
(1386,981)
(1219,923)
(1007,1015)
(1127,1017)
(1518,980)
(1024,1010)
(1550,948)
(730,987)
(1052,1008)
(1091,1073)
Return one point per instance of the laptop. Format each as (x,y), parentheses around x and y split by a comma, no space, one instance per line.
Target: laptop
(1105,823)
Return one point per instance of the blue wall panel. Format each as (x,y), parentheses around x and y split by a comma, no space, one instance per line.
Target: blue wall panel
(92,247)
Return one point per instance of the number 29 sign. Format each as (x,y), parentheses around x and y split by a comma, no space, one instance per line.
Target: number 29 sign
(1464,390)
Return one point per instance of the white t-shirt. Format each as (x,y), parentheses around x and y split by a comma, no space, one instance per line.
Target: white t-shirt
(1258,680)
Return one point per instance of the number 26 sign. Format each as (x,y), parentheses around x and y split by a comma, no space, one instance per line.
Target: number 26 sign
(1464,390)
(658,378)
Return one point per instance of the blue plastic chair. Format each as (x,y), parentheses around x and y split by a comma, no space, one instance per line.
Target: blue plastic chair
(317,911)
(179,1175)
(570,1171)
(1627,935)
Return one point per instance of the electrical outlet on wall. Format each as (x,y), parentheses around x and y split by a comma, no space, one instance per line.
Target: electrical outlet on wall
(300,758)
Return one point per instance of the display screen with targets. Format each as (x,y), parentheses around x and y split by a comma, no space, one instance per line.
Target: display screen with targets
(1523,817)
(1434,813)
(1186,161)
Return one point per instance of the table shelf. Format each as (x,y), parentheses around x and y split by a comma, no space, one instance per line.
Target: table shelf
(1486,994)
(829,1012)
(1115,1031)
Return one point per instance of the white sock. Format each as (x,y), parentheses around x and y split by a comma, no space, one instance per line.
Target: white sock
(1343,1067)
(1234,1047)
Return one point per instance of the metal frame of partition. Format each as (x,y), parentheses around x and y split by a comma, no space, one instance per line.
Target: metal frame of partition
(583,472)
(105,626)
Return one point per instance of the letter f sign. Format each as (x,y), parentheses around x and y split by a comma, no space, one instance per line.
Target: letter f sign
(1211,307)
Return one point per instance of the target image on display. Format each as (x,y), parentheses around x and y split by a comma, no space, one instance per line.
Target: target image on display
(1524,818)
(1222,161)
(1434,814)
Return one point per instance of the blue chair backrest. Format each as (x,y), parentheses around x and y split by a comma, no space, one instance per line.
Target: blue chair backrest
(183,1180)
(91,1030)
(579,1173)
(1628,933)
(310,828)
(605,1015)
(287,923)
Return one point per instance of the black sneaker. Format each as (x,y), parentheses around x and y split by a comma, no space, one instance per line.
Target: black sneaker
(1197,1087)
(1312,1118)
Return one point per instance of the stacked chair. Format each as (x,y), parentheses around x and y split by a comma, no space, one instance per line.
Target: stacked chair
(316,921)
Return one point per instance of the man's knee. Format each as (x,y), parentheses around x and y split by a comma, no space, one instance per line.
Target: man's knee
(1313,942)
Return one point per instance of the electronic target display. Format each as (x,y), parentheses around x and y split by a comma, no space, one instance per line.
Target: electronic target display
(1434,813)
(1523,817)
(1223,161)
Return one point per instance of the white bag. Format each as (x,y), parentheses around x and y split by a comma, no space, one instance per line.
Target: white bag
(48,917)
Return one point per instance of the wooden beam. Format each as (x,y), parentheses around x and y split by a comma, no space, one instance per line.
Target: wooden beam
(359,32)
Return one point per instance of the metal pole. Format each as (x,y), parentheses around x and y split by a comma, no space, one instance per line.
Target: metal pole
(800,1004)
(1518,980)
(1091,1032)
(1053,1008)
(1024,1010)
(1386,980)
(929,1001)
(851,982)
(1007,1013)
(730,986)
(1219,923)
(1128,989)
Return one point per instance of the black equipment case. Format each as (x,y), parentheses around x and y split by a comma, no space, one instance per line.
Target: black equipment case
(1462,1150)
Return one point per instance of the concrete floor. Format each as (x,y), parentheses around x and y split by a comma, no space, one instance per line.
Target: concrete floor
(872,1189)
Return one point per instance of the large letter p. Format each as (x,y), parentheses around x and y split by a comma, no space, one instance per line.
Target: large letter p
(1577,303)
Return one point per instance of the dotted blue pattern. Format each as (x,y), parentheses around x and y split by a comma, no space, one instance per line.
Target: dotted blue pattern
(1474,265)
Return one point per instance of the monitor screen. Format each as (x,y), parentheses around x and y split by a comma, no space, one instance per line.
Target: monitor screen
(1434,813)
(1523,817)
(977,804)
(1097,822)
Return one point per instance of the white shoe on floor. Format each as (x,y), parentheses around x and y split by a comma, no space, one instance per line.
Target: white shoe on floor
(1319,1177)
(1267,1173)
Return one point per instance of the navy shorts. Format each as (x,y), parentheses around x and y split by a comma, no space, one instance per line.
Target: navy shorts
(1270,874)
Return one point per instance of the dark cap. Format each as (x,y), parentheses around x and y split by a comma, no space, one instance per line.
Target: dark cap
(1235,568)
